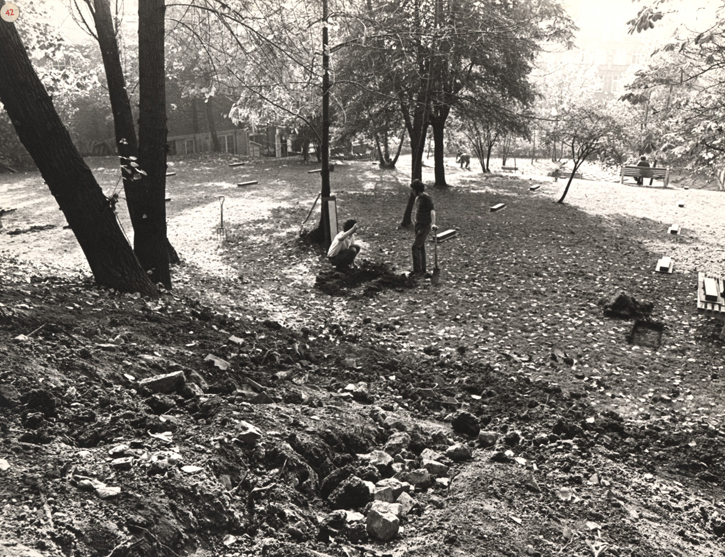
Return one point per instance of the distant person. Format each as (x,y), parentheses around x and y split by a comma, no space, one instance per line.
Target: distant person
(464,159)
(642,162)
(425,221)
(343,249)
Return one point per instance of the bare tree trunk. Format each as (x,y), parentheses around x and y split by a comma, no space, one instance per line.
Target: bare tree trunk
(71,182)
(438,122)
(215,145)
(150,239)
(126,141)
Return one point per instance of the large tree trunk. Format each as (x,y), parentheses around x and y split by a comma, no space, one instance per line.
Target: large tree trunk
(438,122)
(126,141)
(71,182)
(211,124)
(150,242)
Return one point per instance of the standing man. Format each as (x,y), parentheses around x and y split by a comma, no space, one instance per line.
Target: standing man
(425,221)
(642,162)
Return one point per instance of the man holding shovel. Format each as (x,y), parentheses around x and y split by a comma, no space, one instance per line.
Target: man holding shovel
(425,221)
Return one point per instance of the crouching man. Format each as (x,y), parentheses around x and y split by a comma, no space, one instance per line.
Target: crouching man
(343,249)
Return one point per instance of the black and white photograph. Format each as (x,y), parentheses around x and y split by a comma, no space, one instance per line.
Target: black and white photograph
(362,278)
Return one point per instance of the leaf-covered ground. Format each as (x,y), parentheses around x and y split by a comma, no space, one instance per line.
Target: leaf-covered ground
(591,444)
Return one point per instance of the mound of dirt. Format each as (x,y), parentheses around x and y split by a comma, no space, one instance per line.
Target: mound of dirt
(624,306)
(375,277)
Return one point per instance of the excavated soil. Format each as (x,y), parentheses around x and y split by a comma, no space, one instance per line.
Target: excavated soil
(547,426)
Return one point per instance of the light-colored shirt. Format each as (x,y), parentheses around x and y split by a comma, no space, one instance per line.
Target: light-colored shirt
(340,243)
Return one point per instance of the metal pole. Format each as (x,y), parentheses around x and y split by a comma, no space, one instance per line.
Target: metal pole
(325,123)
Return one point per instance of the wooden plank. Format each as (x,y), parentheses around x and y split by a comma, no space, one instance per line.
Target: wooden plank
(446,235)
(665,265)
(535,187)
(234,164)
(250,183)
(711,290)
(680,203)
(509,168)
(497,207)
(171,173)
(674,229)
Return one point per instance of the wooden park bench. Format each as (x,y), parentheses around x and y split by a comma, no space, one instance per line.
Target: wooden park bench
(711,297)
(646,172)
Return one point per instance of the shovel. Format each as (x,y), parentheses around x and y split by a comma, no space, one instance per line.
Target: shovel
(221,232)
(436,271)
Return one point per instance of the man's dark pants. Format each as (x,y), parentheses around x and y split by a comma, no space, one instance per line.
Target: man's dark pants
(421,235)
(345,257)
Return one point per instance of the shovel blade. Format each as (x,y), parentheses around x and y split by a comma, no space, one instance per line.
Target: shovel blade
(436,277)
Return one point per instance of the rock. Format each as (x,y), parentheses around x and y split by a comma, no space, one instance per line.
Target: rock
(124,463)
(466,423)
(368,473)
(392,422)
(4,465)
(262,398)
(382,526)
(42,401)
(567,430)
(718,526)
(248,434)
(541,439)
(434,467)
(442,483)
(14,549)
(33,420)
(487,438)
(430,454)
(166,383)
(396,443)
(360,392)
(624,306)
(352,493)
(436,502)
(384,507)
(159,403)
(384,494)
(217,362)
(420,479)
(396,486)
(106,492)
(512,438)
(382,461)
(458,452)
(440,438)
(9,396)
(333,479)
(501,457)
(407,503)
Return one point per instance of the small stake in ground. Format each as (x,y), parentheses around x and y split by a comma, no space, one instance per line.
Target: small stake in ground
(250,183)
(446,235)
(233,164)
(171,173)
(497,207)
(221,232)
(674,229)
(535,187)
(665,265)
(680,203)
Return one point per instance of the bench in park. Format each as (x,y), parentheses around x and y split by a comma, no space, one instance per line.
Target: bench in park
(646,172)
(509,168)
(711,297)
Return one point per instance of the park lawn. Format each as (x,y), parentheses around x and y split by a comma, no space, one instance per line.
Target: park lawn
(514,333)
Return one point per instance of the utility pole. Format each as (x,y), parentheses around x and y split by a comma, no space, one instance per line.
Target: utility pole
(325,124)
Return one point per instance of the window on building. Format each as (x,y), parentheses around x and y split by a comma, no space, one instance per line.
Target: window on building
(227,142)
(638,57)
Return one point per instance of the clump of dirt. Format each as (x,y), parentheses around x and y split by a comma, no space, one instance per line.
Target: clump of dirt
(375,276)
(624,306)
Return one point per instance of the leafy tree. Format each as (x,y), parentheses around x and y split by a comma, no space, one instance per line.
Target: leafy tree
(69,179)
(586,130)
